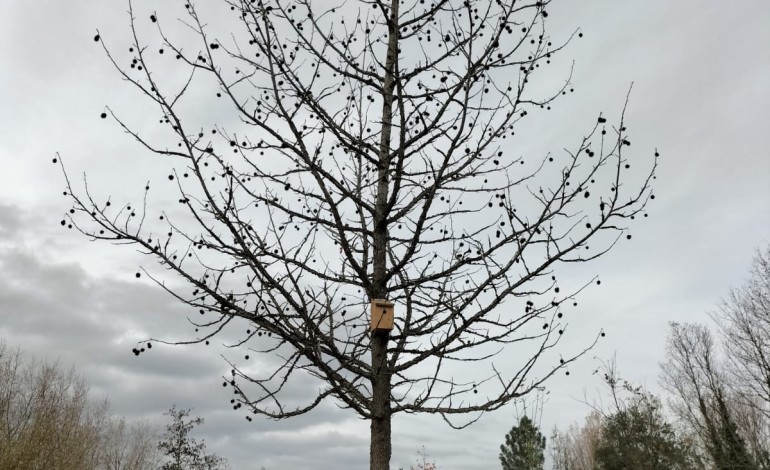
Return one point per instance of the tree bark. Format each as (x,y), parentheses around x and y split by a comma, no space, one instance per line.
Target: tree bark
(380,445)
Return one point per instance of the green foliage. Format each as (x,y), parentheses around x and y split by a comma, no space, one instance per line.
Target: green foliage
(726,446)
(637,436)
(182,450)
(523,448)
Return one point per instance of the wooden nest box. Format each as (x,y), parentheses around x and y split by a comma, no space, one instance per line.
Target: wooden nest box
(382,316)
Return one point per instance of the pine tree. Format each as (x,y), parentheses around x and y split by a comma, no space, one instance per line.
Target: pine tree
(523,448)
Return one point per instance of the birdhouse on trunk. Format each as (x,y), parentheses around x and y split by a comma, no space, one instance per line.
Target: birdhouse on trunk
(382,316)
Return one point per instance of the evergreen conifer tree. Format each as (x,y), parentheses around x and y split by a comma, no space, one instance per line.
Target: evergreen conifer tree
(523,448)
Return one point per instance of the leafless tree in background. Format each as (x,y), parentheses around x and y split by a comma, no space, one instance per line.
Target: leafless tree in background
(725,398)
(129,446)
(424,461)
(754,426)
(719,394)
(368,152)
(744,320)
(575,448)
(48,420)
(46,417)
(702,398)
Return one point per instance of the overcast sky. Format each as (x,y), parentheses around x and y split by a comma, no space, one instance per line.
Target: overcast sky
(701,73)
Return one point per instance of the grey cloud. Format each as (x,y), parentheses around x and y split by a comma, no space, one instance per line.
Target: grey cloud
(10,221)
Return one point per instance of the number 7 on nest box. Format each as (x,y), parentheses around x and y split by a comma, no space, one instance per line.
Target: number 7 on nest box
(382,316)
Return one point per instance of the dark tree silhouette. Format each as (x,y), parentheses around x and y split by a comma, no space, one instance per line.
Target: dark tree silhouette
(694,375)
(369,154)
(182,451)
(744,320)
(524,447)
(635,434)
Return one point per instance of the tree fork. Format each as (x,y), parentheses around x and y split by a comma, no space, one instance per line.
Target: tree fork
(380,444)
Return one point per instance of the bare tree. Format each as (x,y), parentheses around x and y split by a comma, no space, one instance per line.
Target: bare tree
(754,425)
(694,375)
(575,448)
(424,462)
(370,156)
(47,419)
(129,446)
(744,320)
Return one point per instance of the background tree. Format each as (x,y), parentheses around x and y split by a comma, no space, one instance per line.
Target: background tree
(129,446)
(636,434)
(424,462)
(524,447)
(716,395)
(744,321)
(744,330)
(46,416)
(754,426)
(182,451)
(370,152)
(692,373)
(48,420)
(575,448)
(633,432)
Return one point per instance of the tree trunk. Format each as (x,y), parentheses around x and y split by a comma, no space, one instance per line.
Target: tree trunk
(380,445)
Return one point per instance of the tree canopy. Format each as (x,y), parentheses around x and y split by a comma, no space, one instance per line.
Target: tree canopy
(523,448)
(368,153)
